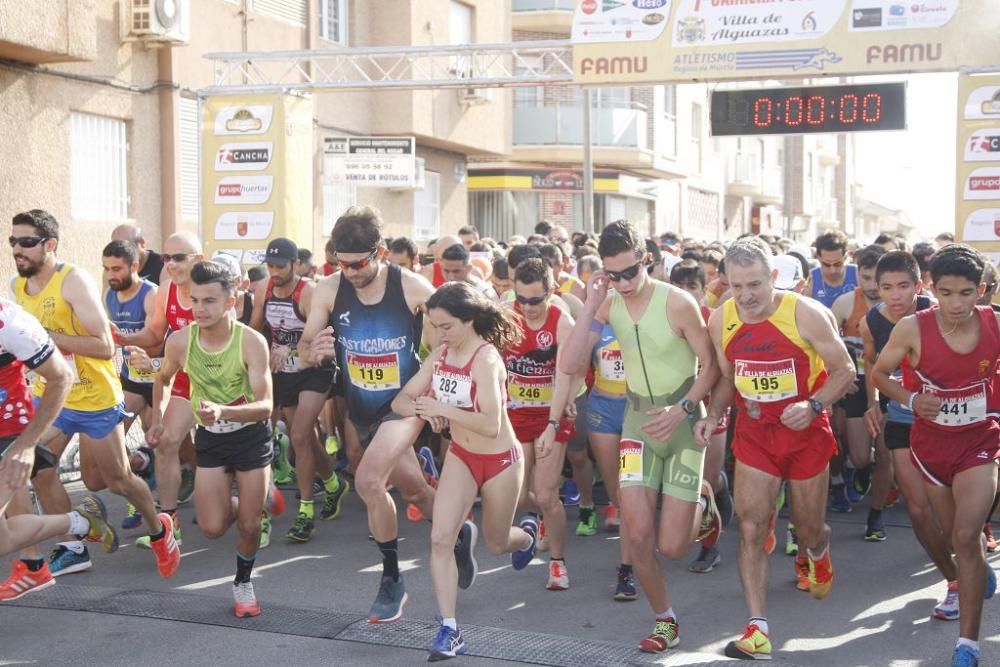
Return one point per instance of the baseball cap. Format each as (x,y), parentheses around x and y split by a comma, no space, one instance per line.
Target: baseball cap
(789,271)
(281,252)
(229,262)
(669,262)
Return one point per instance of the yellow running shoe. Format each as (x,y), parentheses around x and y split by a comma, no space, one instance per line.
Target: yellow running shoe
(820,576)
(753,645)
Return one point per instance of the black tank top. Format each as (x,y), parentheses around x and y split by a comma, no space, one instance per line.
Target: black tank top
(880,327)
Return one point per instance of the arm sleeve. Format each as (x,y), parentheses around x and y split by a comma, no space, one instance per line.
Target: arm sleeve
(23,337)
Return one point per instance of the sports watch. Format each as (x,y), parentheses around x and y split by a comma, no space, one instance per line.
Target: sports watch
(817,406)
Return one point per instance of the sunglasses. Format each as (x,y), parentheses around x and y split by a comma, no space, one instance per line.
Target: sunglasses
(531,301)
(26,241)
(360,264)
(179,257)
(625,274)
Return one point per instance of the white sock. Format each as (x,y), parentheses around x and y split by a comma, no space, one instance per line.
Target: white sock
(669,613)
(75,546)
(78,524)
(703,503)
(449,622)
(760,623)
(962,641)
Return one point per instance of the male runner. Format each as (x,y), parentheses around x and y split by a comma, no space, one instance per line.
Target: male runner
(783,359)
(669,369)
(455,266)
(299,391)
(952,353)
(834,275)
(25,345)
(433,272)
(150,262)
(66,302)
(230,397)
(368,316)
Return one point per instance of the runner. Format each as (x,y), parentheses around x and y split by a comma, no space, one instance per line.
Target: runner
(663,340)
(150,262)
(952,352)
(834,275)
(299,392)
(455,266)
(66,302)
(463,384)
(25,345)
(432,271)
(783,359)
(369,317)
(230,397)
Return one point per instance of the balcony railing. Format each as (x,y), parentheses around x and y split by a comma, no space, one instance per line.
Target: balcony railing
(612,124)
(543,5)
(745,168)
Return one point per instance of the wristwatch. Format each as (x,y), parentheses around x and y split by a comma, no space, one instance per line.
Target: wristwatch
(690,408)
(817,406)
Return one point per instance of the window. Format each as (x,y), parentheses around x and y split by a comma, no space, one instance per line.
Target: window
(333,20)
(459,23)
(669,141)
(337,198)
(98,182)
(427,208)
(291,11)
(696,130)
(190,188)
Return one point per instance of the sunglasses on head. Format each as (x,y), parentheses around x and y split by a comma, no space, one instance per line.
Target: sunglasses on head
(531,301)
(26,241)
(625,274)
(178,257)
(360,264)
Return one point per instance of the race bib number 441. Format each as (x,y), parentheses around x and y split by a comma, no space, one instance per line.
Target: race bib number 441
(766,381)
(961,407)
(373,372)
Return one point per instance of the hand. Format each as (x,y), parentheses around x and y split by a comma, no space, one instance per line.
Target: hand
(798,416)
(927,406)
(570,412)
(138,358)
(704,428)
(209,413)
(116,333)
(15,468)
(426,407)
(664,421)
(544,444)
(154,435)
(853,389)
(438,424)
(279,356)
(873,420)
(597,287)
(323,346)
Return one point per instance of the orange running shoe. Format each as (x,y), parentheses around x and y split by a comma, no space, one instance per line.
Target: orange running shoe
(892,497)
(611,520)
(771,541)
(820,576)
(413,513)
(802,572)
(23,581)
(168,554)
(275,502)
(245,602)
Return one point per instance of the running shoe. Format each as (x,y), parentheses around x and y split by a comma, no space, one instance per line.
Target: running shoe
(143,540)
(570,494)
(275,502)
(753,645)
(168,554)
(666,634)
(587,525)
(186,489)
(991,542)
(724,501)
(428,465)
(625,588)
(838,499)
(863,481)
(965,656)
(791,540)
(771,541)
(875,529)
(282,469)
(64,560)
(389,601)
(706,561)
(821,576)
(850,475)
(302,530)
(891,498)
(331,445)
(447,644)
(543,539)
(558,576)
(265,531)
(331,504)
(23,581)
(245,602)
(413,513)
(711,521)
(612,523)
(465,554)
(948,609)
(519,559)
(132,518)
(802,572)
(101,531)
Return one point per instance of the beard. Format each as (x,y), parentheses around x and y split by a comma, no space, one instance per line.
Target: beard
(29,270)
(121,284)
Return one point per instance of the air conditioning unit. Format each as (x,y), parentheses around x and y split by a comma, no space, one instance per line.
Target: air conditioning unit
(157,21)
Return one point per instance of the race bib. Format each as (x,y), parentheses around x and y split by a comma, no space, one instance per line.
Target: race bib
(630,461)
(612,366)
(292,364)
(766,381)
(453,389)
(373,372)
(524,391)
(141,376)
(961,407)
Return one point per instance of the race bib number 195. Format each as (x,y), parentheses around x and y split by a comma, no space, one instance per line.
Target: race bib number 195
(766,381)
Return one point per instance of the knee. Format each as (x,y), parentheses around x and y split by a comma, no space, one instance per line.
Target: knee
(93,480)
(966,540)
(249,526)
(755,532)
(547,498)
(640,541)
(417,492)
(442,539)
(211,528)
(300,437)
(368,485)
(673,548)
(920,513)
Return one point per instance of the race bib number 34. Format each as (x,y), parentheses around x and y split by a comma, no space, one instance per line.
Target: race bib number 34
(961,407)
(373,372)
(612,366)
(766,381)
(524,391)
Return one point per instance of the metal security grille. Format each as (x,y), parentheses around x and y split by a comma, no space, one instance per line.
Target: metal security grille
(98,174)
(292,11)
(189,131)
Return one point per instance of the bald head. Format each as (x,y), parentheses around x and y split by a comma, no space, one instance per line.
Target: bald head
(183,242)
(128,232)
(443,244)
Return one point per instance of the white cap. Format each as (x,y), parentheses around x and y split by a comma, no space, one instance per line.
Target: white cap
(669,262)
(789,271)
(230,263)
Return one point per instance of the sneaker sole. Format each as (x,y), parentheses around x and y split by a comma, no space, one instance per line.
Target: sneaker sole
(698,567)
(40,587)
(875,538)
(344,489)
(624,597)
(299,539)
(375,620)
(76,567)
(944,617)
(556,587)
(438,656)
(247,614)
(735,652)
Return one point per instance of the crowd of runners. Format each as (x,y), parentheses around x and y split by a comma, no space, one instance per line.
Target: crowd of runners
(690,384)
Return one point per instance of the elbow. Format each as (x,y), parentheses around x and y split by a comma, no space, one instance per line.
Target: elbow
(570,366)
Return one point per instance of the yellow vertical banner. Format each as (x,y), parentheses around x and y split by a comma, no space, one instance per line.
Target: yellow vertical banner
(977,197)
(256,173)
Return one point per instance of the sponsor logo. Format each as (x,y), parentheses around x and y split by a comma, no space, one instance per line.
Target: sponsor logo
(244,156)
(904,53)
(609,5)
(544,340)
(983,145)
(982,225)
(617,65)
(809,22)
(983,184)
(870,17)
(691,29)
(234,226)
(978,183)
(648,4)
(588,6)
(927,8)
(244,119)
(653,19)
(897,10)
(345,318)
(244,190)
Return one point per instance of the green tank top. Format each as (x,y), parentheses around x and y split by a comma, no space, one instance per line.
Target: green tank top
(219,377)
(659,364)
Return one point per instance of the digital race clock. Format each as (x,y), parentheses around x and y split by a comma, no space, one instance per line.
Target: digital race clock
(853,108)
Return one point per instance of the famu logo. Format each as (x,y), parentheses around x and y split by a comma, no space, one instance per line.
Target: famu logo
(250,156)
(244,190)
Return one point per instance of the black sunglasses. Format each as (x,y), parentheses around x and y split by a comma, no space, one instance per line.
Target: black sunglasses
(531,301)
(625,274)
(26,241)
(179,257)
